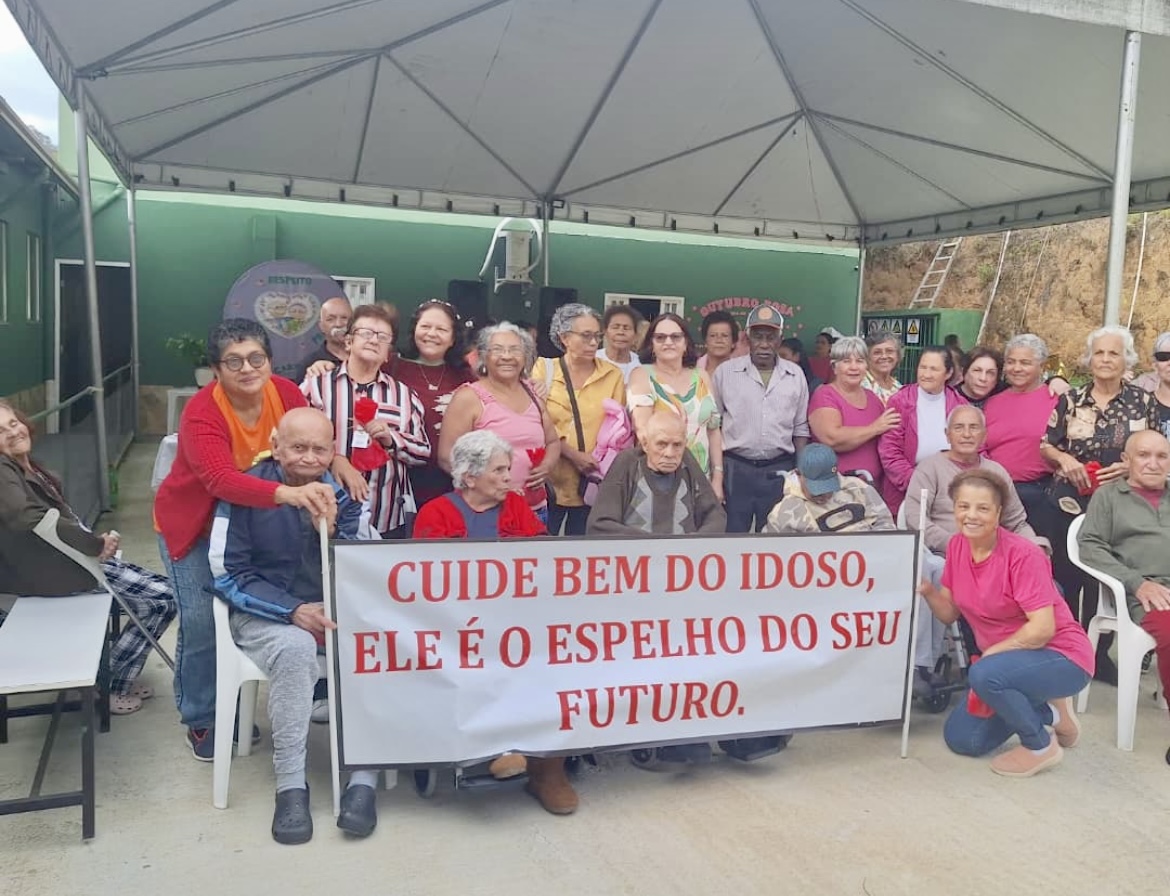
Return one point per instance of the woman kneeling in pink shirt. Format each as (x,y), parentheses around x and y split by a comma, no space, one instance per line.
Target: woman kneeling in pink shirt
(1034,655)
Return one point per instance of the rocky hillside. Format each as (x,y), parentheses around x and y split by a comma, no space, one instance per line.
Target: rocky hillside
(1053,282)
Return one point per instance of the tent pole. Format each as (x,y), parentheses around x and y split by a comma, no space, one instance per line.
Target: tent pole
(132,216)
(91,300)
(860,284)
(544,238)
(1122,167)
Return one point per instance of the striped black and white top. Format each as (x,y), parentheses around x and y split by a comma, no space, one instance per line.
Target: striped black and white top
(334,393)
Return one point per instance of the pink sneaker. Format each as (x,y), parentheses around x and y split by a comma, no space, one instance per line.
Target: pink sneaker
(1023,763)
(1068,729)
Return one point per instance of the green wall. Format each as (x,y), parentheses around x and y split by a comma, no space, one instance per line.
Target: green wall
(191,249)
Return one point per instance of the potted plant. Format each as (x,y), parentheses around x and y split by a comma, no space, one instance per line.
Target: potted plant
(194,351)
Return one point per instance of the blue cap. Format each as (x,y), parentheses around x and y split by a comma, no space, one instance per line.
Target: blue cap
(818,465)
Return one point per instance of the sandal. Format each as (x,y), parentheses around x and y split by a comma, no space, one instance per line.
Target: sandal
(124,704)
(141,691)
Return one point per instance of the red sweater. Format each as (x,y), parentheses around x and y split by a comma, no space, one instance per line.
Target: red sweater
(204,472)
(440,518)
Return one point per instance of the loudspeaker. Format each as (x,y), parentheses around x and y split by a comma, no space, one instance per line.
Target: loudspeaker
(470,298)
(551,298)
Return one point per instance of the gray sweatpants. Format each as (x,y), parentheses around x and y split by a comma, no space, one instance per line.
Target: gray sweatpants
(288,656)
(931,632)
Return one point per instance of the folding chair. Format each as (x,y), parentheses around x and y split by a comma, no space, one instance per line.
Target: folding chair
(47,530)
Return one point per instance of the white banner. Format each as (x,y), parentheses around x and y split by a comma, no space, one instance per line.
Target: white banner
(452,651)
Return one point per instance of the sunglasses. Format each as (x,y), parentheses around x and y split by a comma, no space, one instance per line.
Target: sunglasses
(235,363)
(1162,356)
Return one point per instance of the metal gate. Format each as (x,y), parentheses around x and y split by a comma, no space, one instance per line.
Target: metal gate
(916,332)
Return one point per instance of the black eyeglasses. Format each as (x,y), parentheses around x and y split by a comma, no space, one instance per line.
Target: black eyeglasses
(372,335)
(235,363)
(1162,356)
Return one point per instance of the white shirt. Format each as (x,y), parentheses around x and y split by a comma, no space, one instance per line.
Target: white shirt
(626,368)
(932,424)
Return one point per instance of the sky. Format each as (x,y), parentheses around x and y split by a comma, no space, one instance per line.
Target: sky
(24,84)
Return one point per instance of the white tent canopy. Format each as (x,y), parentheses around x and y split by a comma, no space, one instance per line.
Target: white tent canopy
(873,120)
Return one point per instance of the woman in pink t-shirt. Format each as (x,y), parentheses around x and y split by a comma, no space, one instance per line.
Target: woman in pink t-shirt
(1017,419)
(1034,655)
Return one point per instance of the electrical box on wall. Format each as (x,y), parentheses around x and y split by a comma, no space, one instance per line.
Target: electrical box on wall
(359,290)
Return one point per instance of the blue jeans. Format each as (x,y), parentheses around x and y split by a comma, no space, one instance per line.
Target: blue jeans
(195,645)
(1017,684)
(574,519)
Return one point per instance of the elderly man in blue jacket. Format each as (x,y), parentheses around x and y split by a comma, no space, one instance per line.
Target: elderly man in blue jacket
(267,565)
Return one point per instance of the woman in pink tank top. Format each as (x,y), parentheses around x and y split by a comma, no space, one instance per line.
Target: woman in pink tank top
(502,403)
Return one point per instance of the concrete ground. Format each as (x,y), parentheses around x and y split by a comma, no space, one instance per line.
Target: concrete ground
(838,812)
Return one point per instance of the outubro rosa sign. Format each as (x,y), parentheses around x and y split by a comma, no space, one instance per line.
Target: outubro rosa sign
(455,651)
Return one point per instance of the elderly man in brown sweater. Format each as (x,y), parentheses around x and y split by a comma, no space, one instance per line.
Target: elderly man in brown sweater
(657,488)
(1126,534)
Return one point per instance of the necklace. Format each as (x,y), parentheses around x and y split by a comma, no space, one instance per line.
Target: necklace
(433,387)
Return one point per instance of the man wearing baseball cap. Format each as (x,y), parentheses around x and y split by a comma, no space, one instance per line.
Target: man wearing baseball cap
(763,400)
(818,498)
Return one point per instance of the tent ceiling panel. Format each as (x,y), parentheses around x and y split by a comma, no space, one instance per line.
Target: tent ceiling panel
(291,135)
(259,28)
(701,71)
(713,174)
(871,66)
(451,160)
(900,117)
(492,69)
(971,178)
(795,169)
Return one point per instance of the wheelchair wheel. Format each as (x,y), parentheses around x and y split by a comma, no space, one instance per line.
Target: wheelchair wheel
(425,782)
(936,703)
(643,758)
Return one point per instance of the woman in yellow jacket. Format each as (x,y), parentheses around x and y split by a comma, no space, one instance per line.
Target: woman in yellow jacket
(575,385)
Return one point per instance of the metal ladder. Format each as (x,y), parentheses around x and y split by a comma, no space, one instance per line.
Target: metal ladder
(936,274)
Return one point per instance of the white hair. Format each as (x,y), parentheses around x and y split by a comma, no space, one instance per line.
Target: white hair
(473,451)
(1162,340)
(562,321)
(849,347)
(1030,341)
(1131,355)
(967,407)
(484,337)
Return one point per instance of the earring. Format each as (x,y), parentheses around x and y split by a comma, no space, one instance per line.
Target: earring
(481,370)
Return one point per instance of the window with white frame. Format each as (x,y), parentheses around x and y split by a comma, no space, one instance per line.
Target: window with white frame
(359,290)
(649,306)
(32,279)
(3,272)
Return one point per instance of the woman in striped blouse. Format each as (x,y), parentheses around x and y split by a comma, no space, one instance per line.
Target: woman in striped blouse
(397,424)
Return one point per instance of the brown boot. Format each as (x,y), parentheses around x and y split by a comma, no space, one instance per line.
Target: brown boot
(548,782)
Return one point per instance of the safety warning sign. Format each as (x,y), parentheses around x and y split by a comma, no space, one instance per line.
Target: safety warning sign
(912,331)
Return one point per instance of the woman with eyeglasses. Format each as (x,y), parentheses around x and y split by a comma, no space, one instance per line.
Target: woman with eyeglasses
(668,379)
(377,444)
(577,384)
(224,427)
(1162,389)
(502,402)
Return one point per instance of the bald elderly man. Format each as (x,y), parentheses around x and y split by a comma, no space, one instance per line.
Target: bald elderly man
(657,487)
(336,314)
(1126,534)
(267,565)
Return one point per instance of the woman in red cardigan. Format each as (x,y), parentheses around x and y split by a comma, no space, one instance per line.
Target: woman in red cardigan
(484,505)
(223,429)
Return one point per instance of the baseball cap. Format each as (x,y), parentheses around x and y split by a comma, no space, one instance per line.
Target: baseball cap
(764,316)
(832,332)
(818,465)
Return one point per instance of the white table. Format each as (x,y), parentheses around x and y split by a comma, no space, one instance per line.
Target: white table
(173,407)
(56,644)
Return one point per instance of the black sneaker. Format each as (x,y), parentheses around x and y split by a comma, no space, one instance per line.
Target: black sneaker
(202,743)
(291,821)
(694,753)
(236,734)
(749,749)
(359,810)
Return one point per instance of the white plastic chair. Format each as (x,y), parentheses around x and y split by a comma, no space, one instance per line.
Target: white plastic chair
(46,529)
(233,670)
(1133,642)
